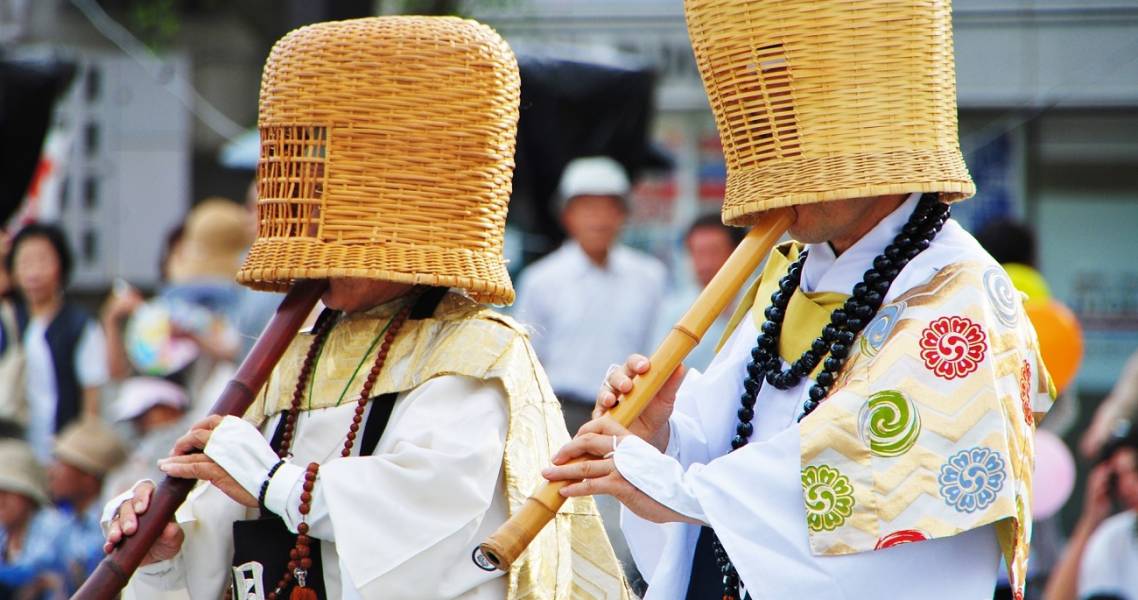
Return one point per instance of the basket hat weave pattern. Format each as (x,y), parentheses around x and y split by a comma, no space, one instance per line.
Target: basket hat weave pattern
(820,100)
(387,151)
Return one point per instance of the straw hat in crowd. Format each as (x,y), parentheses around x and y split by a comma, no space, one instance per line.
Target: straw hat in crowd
(217,233)
(20,472)
(90,446)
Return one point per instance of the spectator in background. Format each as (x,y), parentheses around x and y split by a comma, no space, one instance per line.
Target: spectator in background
(66,363)
(122,303)
(709,243)
(203,264)
(199,301)
(593,301)
(13,405)
(155,408)
(1101,559)
(1120,406)
(254,307)
(5,277)
(30,530)
(84,454)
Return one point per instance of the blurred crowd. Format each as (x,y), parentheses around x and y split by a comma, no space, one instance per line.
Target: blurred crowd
(89,400)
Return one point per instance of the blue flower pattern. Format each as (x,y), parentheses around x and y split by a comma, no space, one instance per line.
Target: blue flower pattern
(971,479)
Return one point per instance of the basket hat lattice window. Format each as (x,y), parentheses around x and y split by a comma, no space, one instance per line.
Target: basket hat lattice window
(387,151)
(821,100)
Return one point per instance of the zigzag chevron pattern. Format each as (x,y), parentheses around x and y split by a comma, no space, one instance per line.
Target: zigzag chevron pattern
(975,418)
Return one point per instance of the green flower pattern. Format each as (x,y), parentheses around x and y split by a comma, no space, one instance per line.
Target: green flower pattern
(829,497)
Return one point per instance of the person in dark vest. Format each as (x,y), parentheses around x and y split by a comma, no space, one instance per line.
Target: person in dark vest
(63,345)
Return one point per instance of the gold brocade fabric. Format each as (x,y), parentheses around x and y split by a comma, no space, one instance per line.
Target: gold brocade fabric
(571,558)
(929,429)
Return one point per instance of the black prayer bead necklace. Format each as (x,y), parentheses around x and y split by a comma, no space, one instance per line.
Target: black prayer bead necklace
(836,338)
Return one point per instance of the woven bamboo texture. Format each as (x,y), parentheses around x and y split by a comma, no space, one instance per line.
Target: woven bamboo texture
(387,151)
(820,100)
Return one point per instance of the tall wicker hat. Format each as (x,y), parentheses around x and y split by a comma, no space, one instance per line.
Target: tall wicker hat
(820,100)
(387,150)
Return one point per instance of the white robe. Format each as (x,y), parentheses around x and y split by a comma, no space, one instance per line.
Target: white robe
(400,523)
(753,497)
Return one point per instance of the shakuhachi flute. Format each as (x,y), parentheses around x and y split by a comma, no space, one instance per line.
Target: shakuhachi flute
(112,574)
(511,539)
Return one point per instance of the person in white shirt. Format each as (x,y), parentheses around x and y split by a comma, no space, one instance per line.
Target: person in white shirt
(588,300)
(709,243)
(867,429)
(409,421)
(1101,557)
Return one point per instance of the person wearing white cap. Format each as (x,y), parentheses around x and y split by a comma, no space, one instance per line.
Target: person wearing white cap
(592,301)
(85,452)
(156,409)
(30,530)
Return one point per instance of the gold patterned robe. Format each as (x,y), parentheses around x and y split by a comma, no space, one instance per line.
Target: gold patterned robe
(929,429)
(572,557)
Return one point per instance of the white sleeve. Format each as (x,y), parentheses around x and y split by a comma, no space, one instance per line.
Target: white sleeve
(416,504)
(91,356)
(1099,569)
(660,476)
(201,568)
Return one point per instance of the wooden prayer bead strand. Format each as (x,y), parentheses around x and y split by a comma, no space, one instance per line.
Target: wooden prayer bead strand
(306,368)
(290,417)
(300,556)
(377,366)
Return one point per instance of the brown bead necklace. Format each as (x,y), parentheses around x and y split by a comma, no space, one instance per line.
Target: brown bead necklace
(299,556)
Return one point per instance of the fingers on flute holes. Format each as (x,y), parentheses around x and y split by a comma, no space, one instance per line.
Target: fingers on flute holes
(127,519)
(114,534)
(142,496)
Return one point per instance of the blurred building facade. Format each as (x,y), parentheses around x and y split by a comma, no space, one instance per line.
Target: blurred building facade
(1048,94)
(1048,91)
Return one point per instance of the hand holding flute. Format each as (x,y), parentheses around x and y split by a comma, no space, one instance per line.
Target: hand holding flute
(596,442)
(510,540)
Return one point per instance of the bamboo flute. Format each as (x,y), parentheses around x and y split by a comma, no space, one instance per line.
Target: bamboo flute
(511,539)
(115,570)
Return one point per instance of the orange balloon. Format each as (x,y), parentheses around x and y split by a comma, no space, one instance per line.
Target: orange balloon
(1060,339)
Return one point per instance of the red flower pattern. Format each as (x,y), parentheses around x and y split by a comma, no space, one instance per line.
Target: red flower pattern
(953,347)
(1025,393)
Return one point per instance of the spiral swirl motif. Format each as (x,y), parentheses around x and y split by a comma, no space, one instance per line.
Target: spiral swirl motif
(889,423)
(1003,295)
(878,330)
(829,497)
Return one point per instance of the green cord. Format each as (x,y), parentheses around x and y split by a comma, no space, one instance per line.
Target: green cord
(348,383)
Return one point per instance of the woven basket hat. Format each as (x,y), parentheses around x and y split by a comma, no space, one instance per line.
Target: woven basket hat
(387,150)
(820,100)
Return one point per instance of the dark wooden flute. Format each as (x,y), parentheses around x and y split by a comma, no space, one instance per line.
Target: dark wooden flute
(115,570)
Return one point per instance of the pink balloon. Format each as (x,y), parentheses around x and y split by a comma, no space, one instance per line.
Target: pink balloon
(1054,478)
